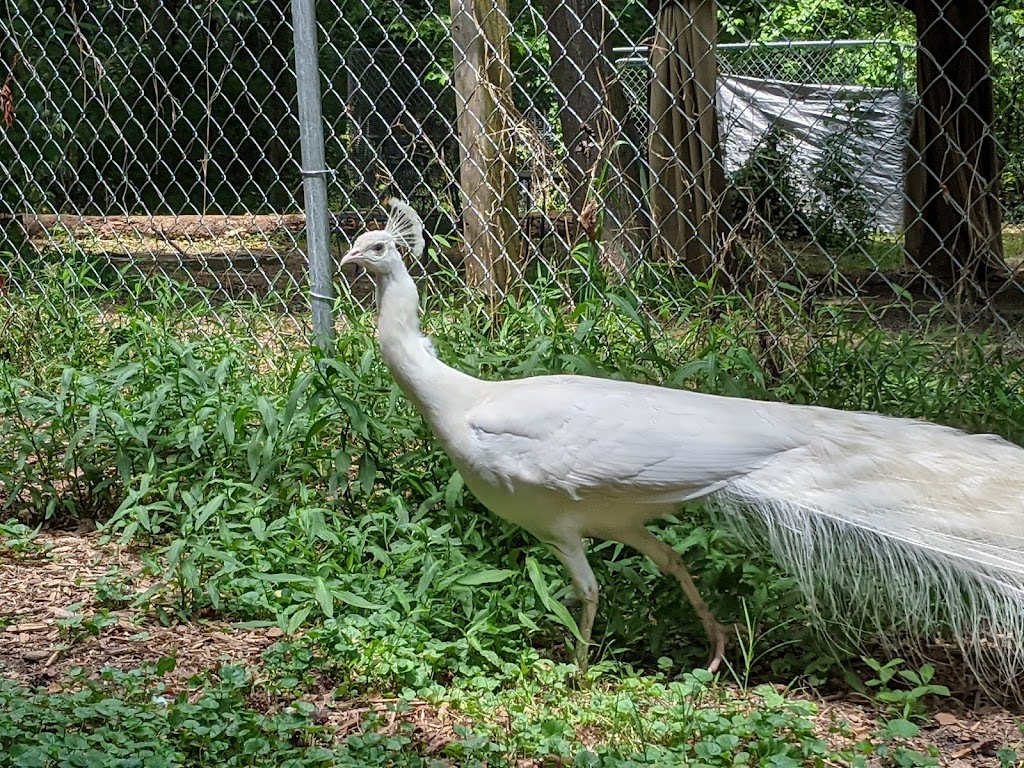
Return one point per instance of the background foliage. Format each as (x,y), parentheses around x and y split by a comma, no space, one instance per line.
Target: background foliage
(97,116)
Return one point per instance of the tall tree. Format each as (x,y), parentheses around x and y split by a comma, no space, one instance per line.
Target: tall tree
(603,160)
(483,81)
(954,221)
(687,175)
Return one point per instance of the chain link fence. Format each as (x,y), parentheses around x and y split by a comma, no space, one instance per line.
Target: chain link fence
(806,162)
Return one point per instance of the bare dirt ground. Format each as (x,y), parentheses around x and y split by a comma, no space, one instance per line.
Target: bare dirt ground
(45,590)
(48,591)
(43,594)
(255,256)
(236,256)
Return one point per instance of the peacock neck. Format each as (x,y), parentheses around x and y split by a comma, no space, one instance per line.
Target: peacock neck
(407,352)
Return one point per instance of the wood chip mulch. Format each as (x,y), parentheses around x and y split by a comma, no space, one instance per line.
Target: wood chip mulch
(54,585)
(45,588)
(963,739)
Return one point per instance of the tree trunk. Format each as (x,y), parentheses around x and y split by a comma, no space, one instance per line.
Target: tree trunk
(954,220)
(487,175)
(602,158)
(687,174)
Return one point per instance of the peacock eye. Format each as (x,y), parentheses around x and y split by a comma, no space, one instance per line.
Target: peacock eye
(378,247)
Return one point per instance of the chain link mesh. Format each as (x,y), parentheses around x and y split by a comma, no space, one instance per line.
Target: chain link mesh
(863,160)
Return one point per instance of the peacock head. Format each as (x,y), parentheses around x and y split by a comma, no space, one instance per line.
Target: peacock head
(378,252)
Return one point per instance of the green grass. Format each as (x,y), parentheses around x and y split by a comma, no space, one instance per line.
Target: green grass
(264,483)
(880,253)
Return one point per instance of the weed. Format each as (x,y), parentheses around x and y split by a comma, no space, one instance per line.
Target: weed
(20,539)
(905,703)
(135,719)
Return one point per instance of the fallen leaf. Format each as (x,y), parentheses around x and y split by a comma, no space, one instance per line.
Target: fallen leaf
(971,748)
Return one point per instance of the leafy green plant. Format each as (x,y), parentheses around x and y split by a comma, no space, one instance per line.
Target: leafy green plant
(841,211)
(906,703)
(765,193)
(78,625)
(19,538)
(303,492)
(1009,758)
(889,744)
(124,719)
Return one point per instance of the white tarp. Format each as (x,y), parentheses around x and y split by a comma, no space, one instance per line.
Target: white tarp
(872,121)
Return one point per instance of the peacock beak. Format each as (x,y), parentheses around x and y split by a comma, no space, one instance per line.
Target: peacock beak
(351,256)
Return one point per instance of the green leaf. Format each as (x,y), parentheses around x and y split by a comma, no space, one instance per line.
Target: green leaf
(323,597)
(123,463)
(356,601)
(367,473)
(269,415)
(294,397)
(195,439)
(427,578)
(189,574)
(489,576)
(252,455)
(297,618)
(226,428)
(453,491)
(317,426)
(626,307)
(527,622)
(283,578)
(553,607)
(901,728)
(174,553)
(208,510)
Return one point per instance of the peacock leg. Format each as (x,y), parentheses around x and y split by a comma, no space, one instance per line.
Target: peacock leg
(574,558)
(670,563)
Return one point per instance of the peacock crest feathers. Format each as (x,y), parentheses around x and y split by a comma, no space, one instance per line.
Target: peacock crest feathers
(405,225)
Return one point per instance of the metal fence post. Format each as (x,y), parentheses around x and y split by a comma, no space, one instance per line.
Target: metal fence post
(314,171)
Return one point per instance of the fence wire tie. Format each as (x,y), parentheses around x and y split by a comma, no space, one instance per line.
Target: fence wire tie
(327,173)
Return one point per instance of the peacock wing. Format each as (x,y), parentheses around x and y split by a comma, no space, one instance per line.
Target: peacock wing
(585,436)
